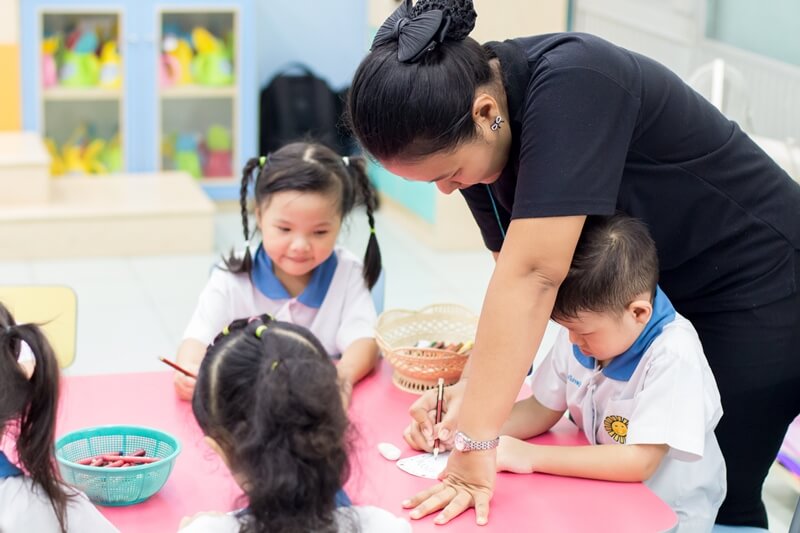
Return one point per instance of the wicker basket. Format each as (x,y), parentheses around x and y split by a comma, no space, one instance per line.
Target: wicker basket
(418,369)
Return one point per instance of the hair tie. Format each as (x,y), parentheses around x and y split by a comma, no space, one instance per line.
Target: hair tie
(262,161)
(274,365)
(415,35)
(346,160)
(260,330)
(372,231)
(226,330)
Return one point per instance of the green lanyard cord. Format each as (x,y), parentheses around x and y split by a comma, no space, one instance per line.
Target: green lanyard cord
(496,214)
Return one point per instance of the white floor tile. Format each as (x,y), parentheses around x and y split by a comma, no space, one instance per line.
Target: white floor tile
(16,273)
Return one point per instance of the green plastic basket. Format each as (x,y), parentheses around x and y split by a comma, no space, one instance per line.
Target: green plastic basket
(117,486)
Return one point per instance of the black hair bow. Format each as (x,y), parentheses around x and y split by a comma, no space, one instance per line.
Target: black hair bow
(414,35)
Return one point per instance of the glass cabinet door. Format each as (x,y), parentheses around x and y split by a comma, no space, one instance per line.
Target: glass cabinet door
(81,85)
(198,87)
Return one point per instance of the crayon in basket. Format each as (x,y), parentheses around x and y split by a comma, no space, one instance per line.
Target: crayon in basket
(461,348)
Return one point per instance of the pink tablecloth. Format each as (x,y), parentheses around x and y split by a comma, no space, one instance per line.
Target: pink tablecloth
(200,482)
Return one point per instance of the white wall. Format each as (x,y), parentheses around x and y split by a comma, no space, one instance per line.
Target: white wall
(672,32)
(326,35)
(497,19)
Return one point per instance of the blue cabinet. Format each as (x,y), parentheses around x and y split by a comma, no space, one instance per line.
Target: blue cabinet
(143,86)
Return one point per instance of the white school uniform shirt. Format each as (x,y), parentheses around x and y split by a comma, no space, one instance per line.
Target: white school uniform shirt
(370,520)
(668,397)
(336,306)
(24,508)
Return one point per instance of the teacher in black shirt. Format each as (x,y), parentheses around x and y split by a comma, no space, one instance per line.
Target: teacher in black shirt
(538,133)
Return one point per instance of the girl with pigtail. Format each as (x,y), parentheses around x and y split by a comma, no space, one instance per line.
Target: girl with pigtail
(297,274)
(266,399)
(32,495)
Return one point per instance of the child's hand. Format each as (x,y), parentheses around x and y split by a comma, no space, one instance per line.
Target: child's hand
(514,455)
(184,385)
(346,392)
(186,520)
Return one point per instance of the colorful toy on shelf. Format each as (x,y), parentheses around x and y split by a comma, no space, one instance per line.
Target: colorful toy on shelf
(187,154)
(110,66)
(72,151)
(211,65)
(169,71)
(81,67)
(57,167)
(91,157)
(218,153)
(111,156)
(73,160)
(83,154)
(49,68)
(87,43)
(230,45)
(180,53)
(168,149)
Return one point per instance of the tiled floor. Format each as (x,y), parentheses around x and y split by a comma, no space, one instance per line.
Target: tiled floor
(131,310)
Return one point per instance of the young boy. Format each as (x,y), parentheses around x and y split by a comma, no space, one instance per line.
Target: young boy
(633,376)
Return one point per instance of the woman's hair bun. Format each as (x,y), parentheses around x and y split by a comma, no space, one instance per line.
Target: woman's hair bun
(461,12)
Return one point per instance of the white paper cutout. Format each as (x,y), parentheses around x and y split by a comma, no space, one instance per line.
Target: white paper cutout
(424,465)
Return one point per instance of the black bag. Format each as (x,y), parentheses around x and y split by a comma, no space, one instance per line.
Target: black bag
(297,107)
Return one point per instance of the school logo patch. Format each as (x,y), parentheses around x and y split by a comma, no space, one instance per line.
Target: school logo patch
(617,427)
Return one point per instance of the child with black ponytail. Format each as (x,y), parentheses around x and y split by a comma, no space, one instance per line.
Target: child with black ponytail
(32,495)
(267,400)
(297,274)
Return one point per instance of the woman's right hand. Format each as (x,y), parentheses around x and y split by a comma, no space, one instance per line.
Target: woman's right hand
(184,385)
(422,430)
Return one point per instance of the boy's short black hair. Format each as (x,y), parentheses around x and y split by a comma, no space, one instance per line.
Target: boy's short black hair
(615,260)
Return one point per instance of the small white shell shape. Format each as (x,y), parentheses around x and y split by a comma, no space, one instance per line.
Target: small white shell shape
(389,451)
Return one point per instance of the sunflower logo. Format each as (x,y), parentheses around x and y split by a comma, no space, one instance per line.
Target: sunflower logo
(617,427)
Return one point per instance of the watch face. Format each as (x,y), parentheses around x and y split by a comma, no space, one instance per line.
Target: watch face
(460,442)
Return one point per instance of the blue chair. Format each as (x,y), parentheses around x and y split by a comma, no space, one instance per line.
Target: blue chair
(379,292)
(737,529)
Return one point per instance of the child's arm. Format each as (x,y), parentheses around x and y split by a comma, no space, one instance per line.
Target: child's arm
(610,462)
(190,355)
(529,418)
(357,361)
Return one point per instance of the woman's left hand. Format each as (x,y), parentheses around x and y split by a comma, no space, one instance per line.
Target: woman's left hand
(467,481)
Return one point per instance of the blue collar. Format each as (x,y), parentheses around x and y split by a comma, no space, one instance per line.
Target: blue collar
(622,366)
(270,286)
(7,469)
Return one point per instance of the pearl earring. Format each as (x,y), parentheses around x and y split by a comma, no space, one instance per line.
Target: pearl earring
(497,121)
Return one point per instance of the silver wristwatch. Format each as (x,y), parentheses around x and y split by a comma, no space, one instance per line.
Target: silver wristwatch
(463,443)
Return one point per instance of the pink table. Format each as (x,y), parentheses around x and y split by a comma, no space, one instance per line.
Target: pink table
(200,482)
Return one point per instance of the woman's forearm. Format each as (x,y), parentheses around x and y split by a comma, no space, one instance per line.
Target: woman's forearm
(535,258)
(512,324)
